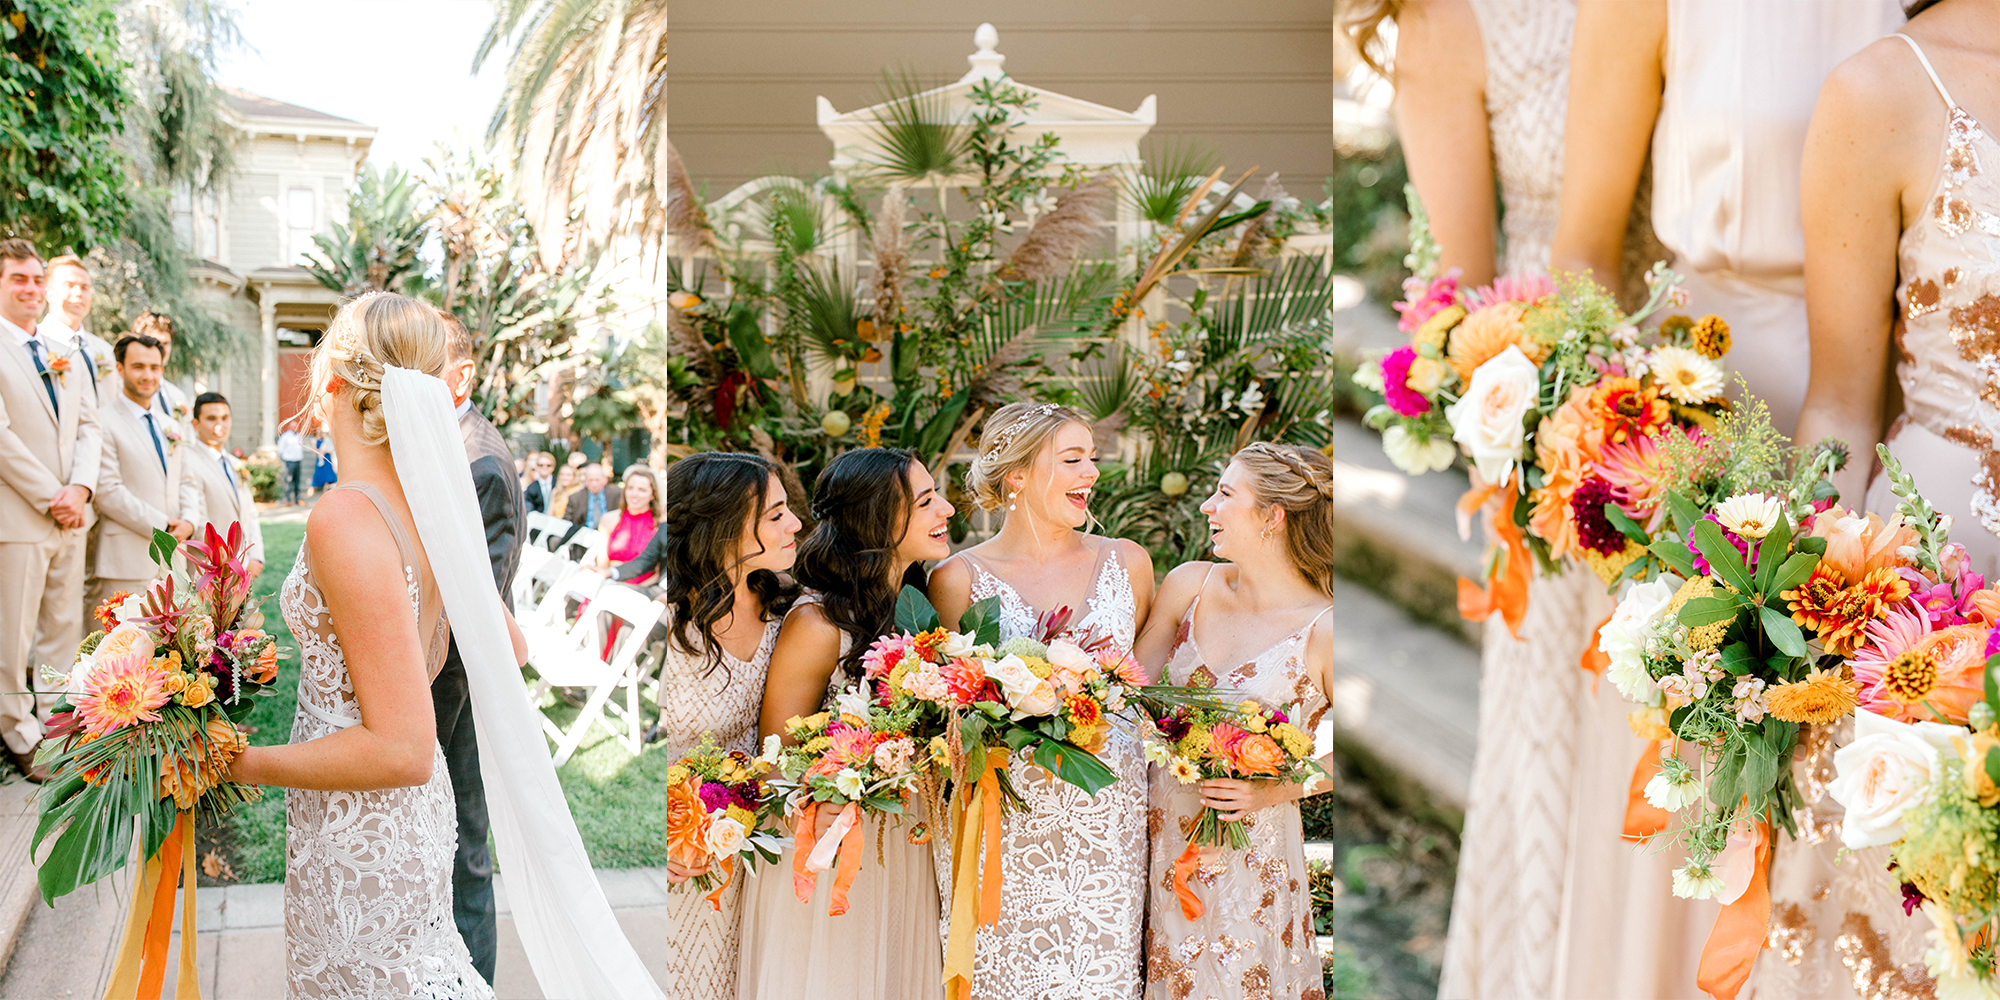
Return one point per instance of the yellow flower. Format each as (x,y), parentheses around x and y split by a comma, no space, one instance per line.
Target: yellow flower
(817,745)
(743,816)
(675,775)
(1649,724)
(1822,697)
(1707,636)
(794,722)
(1431,335)
(940,750)
(1711,336)
(1195,743)
(1294,739)
(1039,666)
(1978,783)
(175,683)
(1183,771)
(199,691)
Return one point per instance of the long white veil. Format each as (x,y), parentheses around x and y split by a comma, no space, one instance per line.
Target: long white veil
(573,942)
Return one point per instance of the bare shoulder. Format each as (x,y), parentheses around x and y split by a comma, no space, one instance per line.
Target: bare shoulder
(1182,585)
(954,574)
(807,623)
(1882,80)
(1131,554)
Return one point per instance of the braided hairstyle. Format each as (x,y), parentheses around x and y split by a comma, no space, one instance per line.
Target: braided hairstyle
(863,503)
(1299,480)
(1014,437)
(377,329)
(707,500)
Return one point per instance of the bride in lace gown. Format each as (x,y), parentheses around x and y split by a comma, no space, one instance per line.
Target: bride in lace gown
(1073,867)
(1260,624)
(370,823)
(725,603)
(880,516)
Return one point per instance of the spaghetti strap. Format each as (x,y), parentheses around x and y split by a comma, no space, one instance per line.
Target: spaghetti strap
(403,546)
(1322,614)
(1932,73)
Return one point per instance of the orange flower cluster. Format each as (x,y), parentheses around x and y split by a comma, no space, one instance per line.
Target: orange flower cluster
(185,778)
(1626,410)
(1840,611)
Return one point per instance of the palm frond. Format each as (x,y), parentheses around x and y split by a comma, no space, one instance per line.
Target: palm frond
(1107,385)
(827,313)
(1168,173)
(917,138)
(1299,291)
(796,213)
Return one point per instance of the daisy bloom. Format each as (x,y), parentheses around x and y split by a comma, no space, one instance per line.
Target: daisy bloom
(1685,376)
(1673,791)
(1183,771)
(1751,515)
(1824,696)
(1695,880)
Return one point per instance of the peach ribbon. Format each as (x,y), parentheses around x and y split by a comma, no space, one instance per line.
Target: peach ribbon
(1642,818)
(728,869)
(141,970)
(812,856)
(1184,866)
(1745,922)
(975,895)
(1596,661)
(1506,593)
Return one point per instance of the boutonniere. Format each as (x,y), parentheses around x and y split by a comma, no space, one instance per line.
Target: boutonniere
(181,412)
(59,367)
(172,437)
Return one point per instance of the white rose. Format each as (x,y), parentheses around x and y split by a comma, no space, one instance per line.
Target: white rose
(1487,419)
(1883,774)
(1070,656)
(78,674)
(772,745)
(853,701)
(1624,637)
(1416,455)
(1042,699)
(726,836)
(132,608)
(1026,693)
(957,644)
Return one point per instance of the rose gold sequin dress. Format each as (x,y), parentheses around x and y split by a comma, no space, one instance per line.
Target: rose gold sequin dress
(1255,939)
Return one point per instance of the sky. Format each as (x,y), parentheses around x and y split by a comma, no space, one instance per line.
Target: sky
(404,66)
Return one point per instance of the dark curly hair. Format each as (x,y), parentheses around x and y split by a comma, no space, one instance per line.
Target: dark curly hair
(863,503)
(708,499)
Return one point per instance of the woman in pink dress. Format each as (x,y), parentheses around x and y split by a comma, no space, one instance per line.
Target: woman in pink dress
(629,528)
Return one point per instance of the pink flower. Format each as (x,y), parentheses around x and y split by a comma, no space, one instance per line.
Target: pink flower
(966,680)
(1936,600)
(886,653)
(1903,626)
(1120,664)
(1528,288)
(1422,301)
(1396,390)
(851,744)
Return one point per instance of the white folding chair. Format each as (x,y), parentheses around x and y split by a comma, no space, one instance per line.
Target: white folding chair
(581,664)
(538,526)
(548,626)
(553,531)
(533,558)
(585,545)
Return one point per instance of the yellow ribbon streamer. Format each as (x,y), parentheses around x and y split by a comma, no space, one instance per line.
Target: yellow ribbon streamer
(141,969)
(975,899)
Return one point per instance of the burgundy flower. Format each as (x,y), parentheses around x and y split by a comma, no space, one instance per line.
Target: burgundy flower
(1913,897)
(1594,530)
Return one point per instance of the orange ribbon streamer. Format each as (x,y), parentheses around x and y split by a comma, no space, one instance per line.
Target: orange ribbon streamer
(803,878)
(728,869)
(1642,818)
(141,968)
(1596,661)
(1184,866)
(975,893)
(847,866)
(1740,931)
(847,862)
(1506,593)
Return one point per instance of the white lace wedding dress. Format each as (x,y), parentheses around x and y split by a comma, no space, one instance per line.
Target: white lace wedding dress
(1074,867)
(367,874)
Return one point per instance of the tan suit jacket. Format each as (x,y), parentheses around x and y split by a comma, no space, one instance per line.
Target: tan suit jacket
(41,450)
(137,496)
(223,504)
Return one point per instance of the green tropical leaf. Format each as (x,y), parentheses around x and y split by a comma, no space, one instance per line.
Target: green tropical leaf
(914,612)
(1710,610)
(1771,554)
(1722,556)
(1674,552)
(917,138)
(1782,632)
(1072,765)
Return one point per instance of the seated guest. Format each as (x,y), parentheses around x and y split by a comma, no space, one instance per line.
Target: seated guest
(142,478)
(566,484)
(226,496)
(589,505)
(540,486)
(628,529)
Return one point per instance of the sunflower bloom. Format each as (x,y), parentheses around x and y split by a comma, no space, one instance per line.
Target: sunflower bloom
(1822,697)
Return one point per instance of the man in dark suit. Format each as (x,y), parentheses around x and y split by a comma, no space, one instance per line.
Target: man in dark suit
(541,481)
(501,508)
(598,497)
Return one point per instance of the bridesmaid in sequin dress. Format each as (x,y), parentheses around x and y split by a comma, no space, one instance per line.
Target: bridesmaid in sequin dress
(1259,624)
(725,602)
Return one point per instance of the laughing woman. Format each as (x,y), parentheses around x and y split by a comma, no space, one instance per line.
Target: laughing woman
(880,517)
(1259,624)
(1074,867)
(726,535)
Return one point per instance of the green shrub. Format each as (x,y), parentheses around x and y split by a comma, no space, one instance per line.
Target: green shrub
(263,474)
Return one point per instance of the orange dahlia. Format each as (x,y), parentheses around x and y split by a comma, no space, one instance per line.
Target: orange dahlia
(1627,409)
(1566,445)
(106,613)
(1822,697)
(687,824)
(1840,611)
(122,691)
(1489,331)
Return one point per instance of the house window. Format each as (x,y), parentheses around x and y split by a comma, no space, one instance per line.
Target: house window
(300,215)
(184,220)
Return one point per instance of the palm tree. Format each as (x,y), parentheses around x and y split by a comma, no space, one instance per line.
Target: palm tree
(583,120)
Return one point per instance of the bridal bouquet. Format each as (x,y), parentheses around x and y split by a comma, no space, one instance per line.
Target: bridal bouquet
(1245,741)
(862,758)
(715,801)
(146,730)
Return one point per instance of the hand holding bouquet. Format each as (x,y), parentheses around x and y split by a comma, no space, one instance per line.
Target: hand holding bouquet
(715,801)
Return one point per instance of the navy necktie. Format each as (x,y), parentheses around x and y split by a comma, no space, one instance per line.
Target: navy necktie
(48,383)
(227,471)
(154,433)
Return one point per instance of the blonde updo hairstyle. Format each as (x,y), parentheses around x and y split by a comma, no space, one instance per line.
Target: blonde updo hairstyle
(1299,480)
(1014,437)
(377,329)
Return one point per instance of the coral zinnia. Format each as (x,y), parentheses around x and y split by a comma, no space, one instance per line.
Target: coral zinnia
(122,691)
(1489,331)
(1840,612)
(1628,410)
(1822,697)
(1711,336)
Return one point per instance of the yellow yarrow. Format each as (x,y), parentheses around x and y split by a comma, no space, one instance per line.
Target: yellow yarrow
(1431,335)
(676,775)
(1195,743)
(743,816)
(1707,636)
(1038,666)
(817,744)
(1292,738)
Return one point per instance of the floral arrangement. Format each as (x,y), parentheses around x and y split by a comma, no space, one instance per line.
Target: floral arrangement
(146,730)
(1245,740)
(715,806)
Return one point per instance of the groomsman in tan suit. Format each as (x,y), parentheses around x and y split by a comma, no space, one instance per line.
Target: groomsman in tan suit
(49,451)
(143,473)
(70,296)
(226,496)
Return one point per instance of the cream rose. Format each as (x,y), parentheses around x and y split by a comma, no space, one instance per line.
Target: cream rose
(1026,693)
(1069,656)
(726,836)
(1883,774)
(957,644)
(1624,637)
(1486,421)
(1417,455)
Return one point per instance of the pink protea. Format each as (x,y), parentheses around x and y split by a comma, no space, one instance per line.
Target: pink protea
(1422,301)
(121,691)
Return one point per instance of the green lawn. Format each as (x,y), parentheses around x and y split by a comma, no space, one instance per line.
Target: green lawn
(618,800)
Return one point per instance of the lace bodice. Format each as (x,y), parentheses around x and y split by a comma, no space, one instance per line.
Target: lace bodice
(1074,867)
(368,900)
(1111,609)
